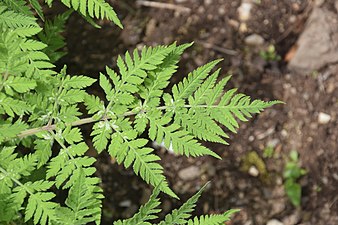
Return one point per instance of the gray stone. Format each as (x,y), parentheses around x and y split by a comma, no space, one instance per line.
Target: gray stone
(318,44)
(274,222)
(189,173)
(254,39)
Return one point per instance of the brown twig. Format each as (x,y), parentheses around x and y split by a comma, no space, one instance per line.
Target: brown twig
(217,48)
(161,5)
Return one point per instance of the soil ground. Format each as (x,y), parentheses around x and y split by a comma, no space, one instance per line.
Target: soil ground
(215,28)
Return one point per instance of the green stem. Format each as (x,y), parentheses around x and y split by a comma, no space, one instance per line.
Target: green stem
(63,146)
(2,170)
(6,74)
(88,120)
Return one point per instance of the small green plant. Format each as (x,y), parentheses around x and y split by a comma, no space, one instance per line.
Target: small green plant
(270,54)
(42,149)
(268,151)
(292,172)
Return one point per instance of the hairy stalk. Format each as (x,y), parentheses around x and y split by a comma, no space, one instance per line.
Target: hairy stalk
(6,74)
(2,170)
(63,146)
(88,120)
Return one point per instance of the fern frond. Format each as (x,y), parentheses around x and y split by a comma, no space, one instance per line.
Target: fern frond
(52,37)
(40,208)
(134,68)
(189,85)
(78,82)
(37,7)
(67,162)
(237,107)
(19,84)
(94,105)
(72,135)
(18,6)
(101,132)
(99,9)
(218,219)
(175,138)
(131,151)
(83,202)
(181,215)
(207,104)
(202,127)
(12,106)
(13,19)
(9,131)
(43,151)
(204,91)
(146,212)
(158,79)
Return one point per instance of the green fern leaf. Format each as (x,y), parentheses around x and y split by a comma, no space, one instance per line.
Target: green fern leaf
(188,86)
(146,212)
(37,7)
(10,131)
(13,19)
(12,106)
(20,84)
(181,215)
(19,6)
(94,105)
(83,201)
(133,70)
(219,219)
(174,138)
(43,151)
(78,82)
(101,132)
(40,208)
(72,135)
(159,78)
(27,31)
(94,8)
(144,162)
(51,36)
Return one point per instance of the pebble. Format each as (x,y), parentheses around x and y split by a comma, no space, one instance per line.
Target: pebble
(244,11)
(207,2)
(274,222)
(273,143)
(125,203)
(323,118)
(254,40)
(189,173)
(253,171)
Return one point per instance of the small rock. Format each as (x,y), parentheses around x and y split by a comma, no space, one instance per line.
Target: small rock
(274,222)
(244,11)
(254,40)
(207,2)
(273,143)
(318,44)
(253,171)
(319,2)
(323,118)
(125,204)
(243,28)
(292,219)
(189,173)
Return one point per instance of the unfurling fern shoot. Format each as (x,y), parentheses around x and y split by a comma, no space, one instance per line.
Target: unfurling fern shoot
(39,111)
